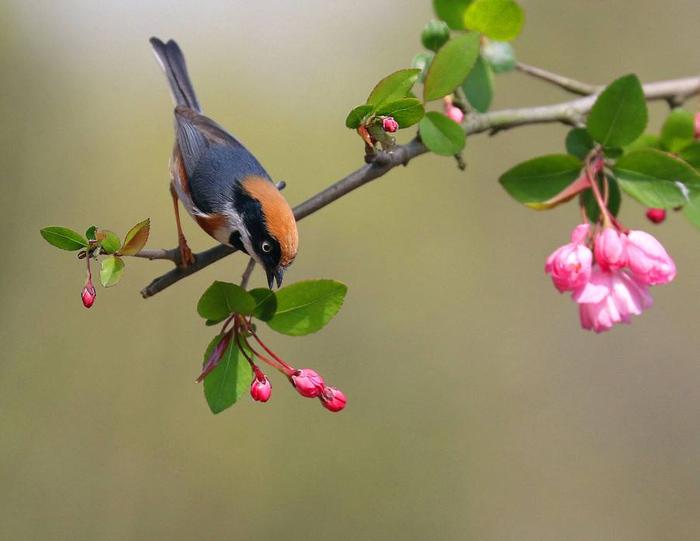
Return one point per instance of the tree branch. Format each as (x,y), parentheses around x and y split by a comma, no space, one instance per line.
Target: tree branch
(570,112)
(570,85)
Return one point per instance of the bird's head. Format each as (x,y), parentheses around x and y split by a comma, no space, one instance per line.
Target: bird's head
(269,230)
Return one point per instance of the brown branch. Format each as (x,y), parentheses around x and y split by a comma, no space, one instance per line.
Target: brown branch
(570,112)
(568,84)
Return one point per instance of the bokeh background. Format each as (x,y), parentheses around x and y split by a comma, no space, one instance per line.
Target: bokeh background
(478,409)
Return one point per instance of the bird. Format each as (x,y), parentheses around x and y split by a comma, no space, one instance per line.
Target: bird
(220,183)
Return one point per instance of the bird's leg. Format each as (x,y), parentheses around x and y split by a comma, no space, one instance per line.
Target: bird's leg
(186,257)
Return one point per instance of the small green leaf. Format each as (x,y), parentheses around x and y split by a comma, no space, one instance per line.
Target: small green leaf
(357,115)
(678,130)
(538,180)
(498,19)
(265,303)
(306,307)
(452,12)
(111,270)
(591,205)
(578,143)
(691,154)
(619,114)
(499,55)
(221,299)
(108,240)
(136,238)
(63,238)
(478,86)
(229,380)
(90,233)
(435,35)
(451,65)
(406,111)
(393,87)
(441,135)
(657,179)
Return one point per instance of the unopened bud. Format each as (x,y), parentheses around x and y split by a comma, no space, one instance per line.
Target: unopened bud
(435,35)
(452,111)
(333,399)
(307,382)
(656,215)
(390,125)
(260,389)
(88,294)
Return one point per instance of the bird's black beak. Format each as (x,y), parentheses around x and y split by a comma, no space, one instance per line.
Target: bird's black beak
(275,275)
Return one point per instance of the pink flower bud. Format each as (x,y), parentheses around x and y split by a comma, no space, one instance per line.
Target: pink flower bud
(609,249)
(570,265)
(656,216)
(260,389)
(389,124)
(697,125)
(88,295)
(307,382)
(453,112)
(648,260)
(333,399)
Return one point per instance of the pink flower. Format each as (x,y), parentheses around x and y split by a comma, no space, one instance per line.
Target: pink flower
(307,382)
(88,294)
(610,298)
(260,389)
(452,112)
(609,249)
(333,399)
(697,125)
(570,265)
(648,260)
(656,216)
(389,124)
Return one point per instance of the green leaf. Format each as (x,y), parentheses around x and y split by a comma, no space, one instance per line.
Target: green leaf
(229,380)
(108,240)
(441,135)
(90,233)
(578,143)
(619,114)
(306,307)
(591,205)
(498,19)
(435,35)
(613,152)
(538,180)
(692,210)
(265,303)
(136,238)
(691,154)
(451,65)
(111,270)
(678,130)
(452,12)
(657,179)
(63,238)
(221,299)
(499,55)
(393,87)
(357,115)
(478,86)
(406,111)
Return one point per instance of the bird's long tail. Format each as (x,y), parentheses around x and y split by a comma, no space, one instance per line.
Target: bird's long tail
(172,61)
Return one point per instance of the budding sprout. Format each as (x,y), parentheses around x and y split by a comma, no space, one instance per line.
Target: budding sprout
(656,216)
(390,125)
(260,389)
(307,382)
(88,294)
(333,399)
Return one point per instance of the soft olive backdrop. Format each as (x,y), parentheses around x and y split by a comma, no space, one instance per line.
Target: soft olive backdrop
(477,407)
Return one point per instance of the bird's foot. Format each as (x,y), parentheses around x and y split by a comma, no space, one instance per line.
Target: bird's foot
(186,256)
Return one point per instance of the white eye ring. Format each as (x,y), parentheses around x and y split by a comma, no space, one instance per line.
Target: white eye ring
(266,246)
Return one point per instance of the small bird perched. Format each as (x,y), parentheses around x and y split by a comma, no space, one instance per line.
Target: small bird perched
(220,183)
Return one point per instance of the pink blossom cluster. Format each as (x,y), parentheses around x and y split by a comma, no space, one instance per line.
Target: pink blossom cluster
(609,274)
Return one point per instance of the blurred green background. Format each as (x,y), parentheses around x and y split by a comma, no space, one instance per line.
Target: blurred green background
(478,409)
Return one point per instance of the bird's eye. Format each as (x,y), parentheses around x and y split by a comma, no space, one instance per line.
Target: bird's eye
(266,246)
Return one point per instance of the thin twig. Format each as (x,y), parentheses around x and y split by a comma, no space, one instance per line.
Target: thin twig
(568,84)
(247,272)
(570,112)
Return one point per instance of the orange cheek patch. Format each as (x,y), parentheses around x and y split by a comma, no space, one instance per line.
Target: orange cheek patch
(278,215)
